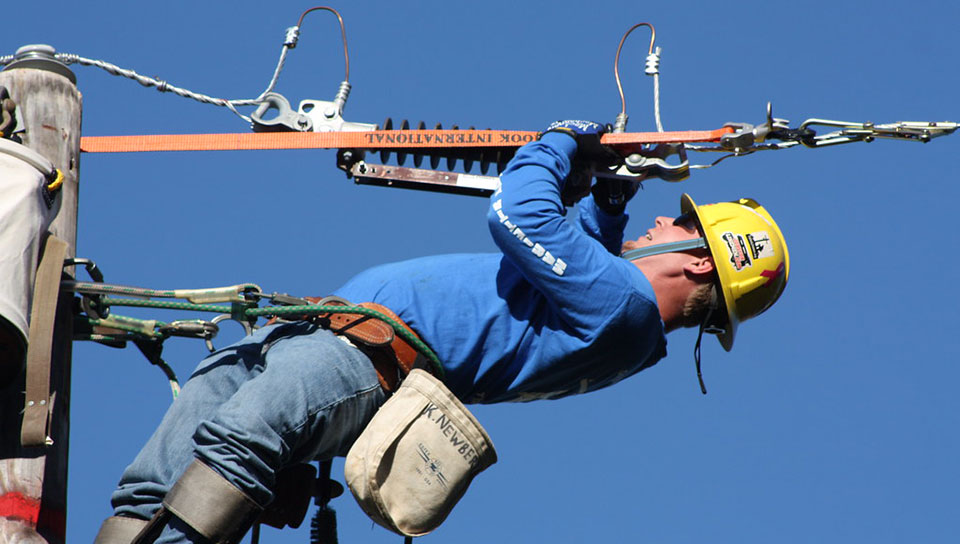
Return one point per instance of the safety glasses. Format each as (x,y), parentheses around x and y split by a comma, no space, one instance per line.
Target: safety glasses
(686,220)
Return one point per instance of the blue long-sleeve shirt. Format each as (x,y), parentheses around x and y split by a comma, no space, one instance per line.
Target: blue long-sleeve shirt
(556,313)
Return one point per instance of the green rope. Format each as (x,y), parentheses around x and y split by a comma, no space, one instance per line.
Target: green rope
(278,311)
(166,305)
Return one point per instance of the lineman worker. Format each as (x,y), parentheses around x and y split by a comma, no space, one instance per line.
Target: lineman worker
(557,312)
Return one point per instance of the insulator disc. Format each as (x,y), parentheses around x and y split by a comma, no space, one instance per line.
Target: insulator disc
(402,156)
(418,157)
(435,156)
(385,153)
(451,160)
(485,162)
(468,157)
(486,156)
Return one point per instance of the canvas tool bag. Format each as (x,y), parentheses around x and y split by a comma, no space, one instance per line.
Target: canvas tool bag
(416,457)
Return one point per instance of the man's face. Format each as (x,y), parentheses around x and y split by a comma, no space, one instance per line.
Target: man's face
(666,229)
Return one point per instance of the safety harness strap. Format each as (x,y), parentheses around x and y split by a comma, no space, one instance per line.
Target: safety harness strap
(119,530)
(38,404)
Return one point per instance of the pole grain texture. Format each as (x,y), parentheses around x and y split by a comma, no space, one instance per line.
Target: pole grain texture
(50,109)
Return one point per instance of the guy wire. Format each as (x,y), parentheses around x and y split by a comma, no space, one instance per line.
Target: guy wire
(163,86)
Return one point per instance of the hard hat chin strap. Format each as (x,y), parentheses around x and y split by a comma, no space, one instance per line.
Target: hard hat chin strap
(696,350)
(669,247)
(705,326)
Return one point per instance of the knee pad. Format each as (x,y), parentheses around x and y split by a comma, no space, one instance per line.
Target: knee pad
(210,505)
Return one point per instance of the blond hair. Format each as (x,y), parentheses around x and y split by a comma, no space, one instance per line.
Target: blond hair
(697,304)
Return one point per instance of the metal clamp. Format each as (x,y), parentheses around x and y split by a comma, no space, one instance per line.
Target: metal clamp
(311,116)
(652,163)
(746,136)
(286,119)
(190,328)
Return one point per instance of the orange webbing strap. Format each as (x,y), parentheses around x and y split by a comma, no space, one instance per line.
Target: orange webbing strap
(375,139)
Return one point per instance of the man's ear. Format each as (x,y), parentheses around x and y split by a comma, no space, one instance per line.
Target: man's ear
(699,266)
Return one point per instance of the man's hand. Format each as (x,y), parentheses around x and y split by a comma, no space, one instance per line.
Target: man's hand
(612,195)
(590,152)
(587,134)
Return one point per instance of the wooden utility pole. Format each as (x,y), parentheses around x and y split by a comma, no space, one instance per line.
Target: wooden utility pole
(33,481)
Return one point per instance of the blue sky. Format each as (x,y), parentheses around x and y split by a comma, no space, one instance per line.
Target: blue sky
(834,418)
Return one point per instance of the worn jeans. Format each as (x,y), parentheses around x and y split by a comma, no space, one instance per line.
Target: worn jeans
(286,394)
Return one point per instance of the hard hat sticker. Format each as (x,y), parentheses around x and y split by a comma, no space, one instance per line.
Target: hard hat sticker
(737,248)
(760,245)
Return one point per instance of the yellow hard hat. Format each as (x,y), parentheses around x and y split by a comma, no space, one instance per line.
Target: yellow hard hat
(750,256)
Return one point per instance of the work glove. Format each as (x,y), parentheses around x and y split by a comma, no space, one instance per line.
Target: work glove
(612,195)
(590,154)
(587,134)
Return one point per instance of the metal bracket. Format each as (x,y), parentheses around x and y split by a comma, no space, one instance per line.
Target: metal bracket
(326,117)
(311,116)
(424,180)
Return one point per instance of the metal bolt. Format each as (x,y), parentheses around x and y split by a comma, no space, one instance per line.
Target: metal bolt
(330,112)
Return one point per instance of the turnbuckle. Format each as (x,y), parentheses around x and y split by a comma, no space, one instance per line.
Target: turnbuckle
(747,138)
(917,131)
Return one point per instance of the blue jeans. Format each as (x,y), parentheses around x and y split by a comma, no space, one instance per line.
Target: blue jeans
(289,393)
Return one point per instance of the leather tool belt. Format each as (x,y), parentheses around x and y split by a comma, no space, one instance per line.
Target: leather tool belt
(392,356)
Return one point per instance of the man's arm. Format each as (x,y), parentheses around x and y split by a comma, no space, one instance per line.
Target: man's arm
(601,226)
(579,277)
